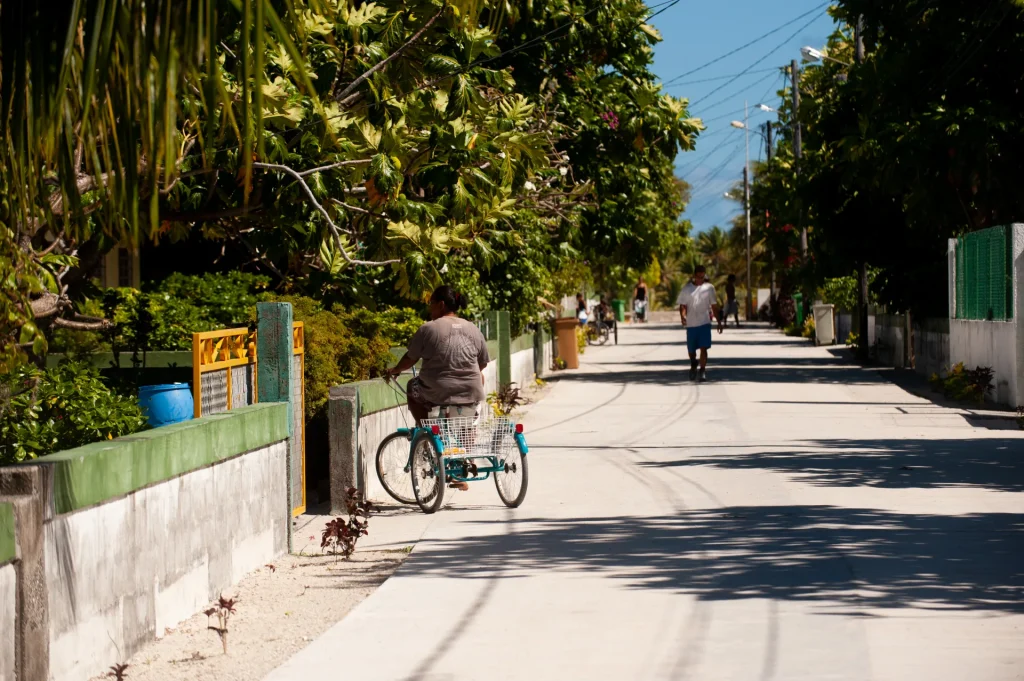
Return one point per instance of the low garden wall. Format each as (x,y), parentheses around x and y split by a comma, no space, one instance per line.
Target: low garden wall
(931,346)
(134,535)
(8,590)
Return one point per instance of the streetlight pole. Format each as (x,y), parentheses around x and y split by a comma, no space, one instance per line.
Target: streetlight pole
(746,207)
(794,70)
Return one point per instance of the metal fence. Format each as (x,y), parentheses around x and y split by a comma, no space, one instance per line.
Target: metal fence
(224,376)
(984,281)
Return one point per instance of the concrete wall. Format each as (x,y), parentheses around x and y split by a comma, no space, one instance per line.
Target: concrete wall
(140,533)
(988,344)
(8,589)
(122,572)
(931,346)
(522,368)
(999,345)
(891,332)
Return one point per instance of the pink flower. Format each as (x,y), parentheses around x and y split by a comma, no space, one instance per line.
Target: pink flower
(611,119)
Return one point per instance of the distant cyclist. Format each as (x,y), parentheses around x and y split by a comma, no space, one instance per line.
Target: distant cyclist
(640,300)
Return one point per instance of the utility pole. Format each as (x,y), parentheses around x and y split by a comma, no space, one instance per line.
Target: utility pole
(746,208)
(794,71)
(767,219)
(863,295)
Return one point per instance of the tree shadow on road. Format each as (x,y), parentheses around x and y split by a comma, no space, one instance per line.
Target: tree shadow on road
(990,463)
(849,560)
(745,371)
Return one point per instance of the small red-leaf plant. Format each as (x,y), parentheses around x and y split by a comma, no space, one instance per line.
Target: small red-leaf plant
(340,536)
(223,609)
(118,672)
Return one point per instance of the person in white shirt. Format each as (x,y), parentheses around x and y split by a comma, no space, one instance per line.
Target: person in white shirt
(697,306)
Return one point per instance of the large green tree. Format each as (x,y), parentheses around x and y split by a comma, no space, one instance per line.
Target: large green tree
(920,142)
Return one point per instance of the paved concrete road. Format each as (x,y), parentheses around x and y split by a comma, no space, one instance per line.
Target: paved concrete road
(794,518)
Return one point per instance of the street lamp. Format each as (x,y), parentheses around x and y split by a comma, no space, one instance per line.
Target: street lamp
(811,54)
(745,126)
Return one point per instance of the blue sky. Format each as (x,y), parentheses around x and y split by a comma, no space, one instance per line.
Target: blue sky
(697,32)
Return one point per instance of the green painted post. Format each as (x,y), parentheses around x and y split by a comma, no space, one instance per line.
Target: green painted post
(274,372)
(504,348)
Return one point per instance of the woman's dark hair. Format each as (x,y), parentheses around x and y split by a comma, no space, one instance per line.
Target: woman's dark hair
(452,299)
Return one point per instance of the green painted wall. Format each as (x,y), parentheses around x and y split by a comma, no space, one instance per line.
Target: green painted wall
(106,470)
(524,342)
(7,545)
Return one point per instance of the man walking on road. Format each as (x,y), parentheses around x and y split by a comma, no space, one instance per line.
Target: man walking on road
(697,302)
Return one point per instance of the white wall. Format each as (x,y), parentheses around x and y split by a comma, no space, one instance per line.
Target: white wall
(522,369)
(119,573)
(8,581)
(988,344)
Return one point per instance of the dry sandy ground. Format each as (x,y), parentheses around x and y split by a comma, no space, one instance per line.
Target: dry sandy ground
(279,611)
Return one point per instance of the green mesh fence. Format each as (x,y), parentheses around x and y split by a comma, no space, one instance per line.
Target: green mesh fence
(984,282)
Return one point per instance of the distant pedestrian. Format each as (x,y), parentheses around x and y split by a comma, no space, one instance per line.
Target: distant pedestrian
(640,301)
(581,309)
(697,302)
(732,306)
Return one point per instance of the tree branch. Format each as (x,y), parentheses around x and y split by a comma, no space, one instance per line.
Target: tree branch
(335,230)
(384,62)
(357,209)
(81,326)
(339,164)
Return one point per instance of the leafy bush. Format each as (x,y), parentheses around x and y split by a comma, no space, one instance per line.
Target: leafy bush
(964,385)
(581,339)
(165,316)
(345,345)
(808,331)
(42,412)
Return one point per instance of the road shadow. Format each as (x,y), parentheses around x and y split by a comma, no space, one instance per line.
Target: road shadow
(990,463)
(745,371)
(850,558)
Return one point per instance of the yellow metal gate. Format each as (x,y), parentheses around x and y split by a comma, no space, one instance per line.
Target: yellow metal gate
(224,376)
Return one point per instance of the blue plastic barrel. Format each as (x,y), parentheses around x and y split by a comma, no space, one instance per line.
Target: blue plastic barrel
(166,403)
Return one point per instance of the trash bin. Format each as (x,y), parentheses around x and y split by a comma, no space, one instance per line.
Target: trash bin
(165,404)
(565,332)
(798,303)
(824,326)
(619,307)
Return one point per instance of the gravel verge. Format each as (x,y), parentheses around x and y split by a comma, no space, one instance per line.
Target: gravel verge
(280,609)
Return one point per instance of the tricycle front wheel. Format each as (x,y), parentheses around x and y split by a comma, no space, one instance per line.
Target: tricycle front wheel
(512,478)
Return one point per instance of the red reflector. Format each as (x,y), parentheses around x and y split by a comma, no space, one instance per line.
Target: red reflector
(519,428)
(436,430)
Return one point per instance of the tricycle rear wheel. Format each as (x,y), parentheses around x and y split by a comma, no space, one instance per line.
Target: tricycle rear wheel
(427,474)
(513,478)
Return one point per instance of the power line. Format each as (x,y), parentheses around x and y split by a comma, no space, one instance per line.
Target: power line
(717,171)
(770,53)
(709,80)
(699,159)
(741,90)
(752,42)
